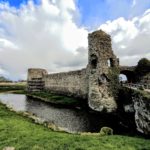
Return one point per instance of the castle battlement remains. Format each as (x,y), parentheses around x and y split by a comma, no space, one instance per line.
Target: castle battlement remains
(91,83)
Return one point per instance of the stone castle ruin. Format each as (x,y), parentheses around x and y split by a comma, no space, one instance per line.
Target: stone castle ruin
(90,83)
(94,83)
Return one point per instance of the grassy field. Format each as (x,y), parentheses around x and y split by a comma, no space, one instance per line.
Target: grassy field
(52,98)
(19,88)
(4,87)
(57,99)
(21,133)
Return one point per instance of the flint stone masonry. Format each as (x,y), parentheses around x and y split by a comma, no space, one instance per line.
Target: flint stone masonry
(100,60)
(36,79)
(90,83)
(142,114)
(138,106)
(73,83)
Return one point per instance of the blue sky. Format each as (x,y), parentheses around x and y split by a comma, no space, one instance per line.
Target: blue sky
(54,34)
(17,3)
(95,12)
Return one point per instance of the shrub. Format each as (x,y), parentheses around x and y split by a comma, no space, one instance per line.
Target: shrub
(143,67)
(106,131)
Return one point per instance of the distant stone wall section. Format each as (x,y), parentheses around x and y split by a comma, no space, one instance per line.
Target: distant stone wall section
(73,83)
(36,79)
(129,68)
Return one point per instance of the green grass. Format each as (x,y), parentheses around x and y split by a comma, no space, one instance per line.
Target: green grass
(57,99)
(43,95)
(5,88)
(23,134)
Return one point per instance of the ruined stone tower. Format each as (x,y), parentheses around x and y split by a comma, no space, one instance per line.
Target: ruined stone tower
(90,83)
(35,79)
(100,60)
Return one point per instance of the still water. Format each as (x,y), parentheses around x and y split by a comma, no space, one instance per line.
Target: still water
(72,120)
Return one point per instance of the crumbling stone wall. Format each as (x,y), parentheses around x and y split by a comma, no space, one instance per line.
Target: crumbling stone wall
(100,60)
(136,104)
(73,83)
(91,82)
(36,79)
(142,112)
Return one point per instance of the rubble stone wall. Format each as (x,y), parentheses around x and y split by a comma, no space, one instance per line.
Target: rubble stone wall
(35,79)
(101,60)
(73,83)
(91,83)
(142,112)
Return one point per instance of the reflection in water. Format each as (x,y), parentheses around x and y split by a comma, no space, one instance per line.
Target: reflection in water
(17,102)
(65,118)
(70,119)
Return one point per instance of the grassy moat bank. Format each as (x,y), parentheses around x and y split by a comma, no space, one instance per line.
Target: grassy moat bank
(60,100)
(4,87)
(20,132)
(55,99)
(52,98)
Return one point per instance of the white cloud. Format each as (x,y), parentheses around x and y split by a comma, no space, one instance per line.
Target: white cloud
(130,38)
(3,72)
(121,29)
(51,9)
(45,35)
(6,44)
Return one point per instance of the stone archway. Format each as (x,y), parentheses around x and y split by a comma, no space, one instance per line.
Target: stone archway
(131,78)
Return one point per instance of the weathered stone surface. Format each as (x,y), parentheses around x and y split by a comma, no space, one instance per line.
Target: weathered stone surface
(91,82)
(142,114)
(101,60)
(136,105)
(73,83)
(36,73)
(35,79)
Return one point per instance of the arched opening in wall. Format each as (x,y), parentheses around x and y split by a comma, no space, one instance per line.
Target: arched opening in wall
(93,61)
(123,78)
(129,76)
(110,62)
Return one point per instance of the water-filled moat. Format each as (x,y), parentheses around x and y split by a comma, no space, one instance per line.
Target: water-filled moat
(72,120)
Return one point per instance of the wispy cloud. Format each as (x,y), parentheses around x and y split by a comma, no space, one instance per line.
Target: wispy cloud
(130,38)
